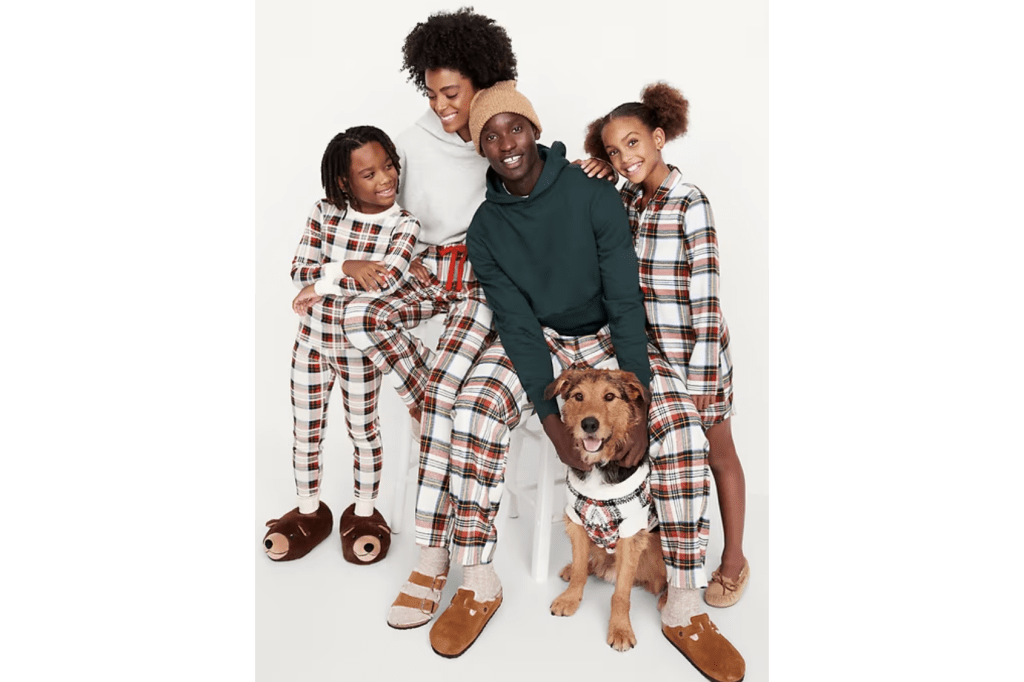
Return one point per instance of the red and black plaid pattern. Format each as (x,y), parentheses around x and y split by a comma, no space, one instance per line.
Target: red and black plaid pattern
(677,252)
(602,519)
(379,327)
(313,376)
(321,353)
(334,236)
(492,402)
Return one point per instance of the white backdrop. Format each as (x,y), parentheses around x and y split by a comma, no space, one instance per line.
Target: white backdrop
(322,66)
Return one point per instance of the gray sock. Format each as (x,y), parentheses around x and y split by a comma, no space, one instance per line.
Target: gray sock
(682,604)
(483,580)
(432,561)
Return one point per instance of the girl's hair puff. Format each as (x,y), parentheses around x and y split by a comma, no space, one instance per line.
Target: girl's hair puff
(660,106)
(463,41)
(337,160)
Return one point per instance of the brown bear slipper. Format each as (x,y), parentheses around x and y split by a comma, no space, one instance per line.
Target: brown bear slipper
(364,539)
(707,649)
(461,623)
(293,535)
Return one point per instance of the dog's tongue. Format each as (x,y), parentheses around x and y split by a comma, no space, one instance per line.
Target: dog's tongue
(591,444)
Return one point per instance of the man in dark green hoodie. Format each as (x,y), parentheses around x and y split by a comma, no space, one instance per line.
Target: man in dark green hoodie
(554,254)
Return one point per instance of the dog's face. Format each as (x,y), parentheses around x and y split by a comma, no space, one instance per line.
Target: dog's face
(600,407)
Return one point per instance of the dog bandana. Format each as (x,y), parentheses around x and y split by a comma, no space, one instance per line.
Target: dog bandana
(610,512)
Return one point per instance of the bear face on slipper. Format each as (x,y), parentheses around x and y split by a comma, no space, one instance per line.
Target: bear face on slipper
(293,535)
(364,539)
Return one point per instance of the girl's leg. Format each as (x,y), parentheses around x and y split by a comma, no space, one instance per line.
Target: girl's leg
(311,382)
(729,479)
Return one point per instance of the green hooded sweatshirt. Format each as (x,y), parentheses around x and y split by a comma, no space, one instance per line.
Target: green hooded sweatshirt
(561,258)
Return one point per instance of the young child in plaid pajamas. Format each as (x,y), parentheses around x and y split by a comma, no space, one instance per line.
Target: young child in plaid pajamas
(357,240)
(674,234)
(553,253)
(449,58)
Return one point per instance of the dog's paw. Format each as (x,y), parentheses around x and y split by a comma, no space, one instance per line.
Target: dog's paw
(566,573)
(621,638)
(565,604)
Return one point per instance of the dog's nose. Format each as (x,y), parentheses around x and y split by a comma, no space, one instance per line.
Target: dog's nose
(590,424)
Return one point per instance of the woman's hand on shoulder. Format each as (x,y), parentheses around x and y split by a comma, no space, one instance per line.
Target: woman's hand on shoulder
(597,168)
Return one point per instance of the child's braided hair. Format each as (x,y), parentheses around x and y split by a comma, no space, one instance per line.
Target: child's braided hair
(337,161)
(660,106)
(463,41)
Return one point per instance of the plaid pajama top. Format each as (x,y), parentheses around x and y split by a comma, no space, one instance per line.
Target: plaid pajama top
(677,252)
(331,237)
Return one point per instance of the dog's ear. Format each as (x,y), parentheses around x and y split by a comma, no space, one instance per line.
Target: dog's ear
(563,384)
(631,386)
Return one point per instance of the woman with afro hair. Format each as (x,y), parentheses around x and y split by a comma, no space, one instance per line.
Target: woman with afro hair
(449,58)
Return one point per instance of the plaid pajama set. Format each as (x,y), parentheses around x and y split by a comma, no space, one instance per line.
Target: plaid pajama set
(677,252)
(321,354)
(493,396)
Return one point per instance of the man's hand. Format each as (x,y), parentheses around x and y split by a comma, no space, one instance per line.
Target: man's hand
(369,273)
(559,437)
(305,300)
(639,439)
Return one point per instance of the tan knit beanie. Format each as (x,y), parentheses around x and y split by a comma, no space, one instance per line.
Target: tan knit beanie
(500,98)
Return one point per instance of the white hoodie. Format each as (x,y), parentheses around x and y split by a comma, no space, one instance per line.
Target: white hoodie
(442,181)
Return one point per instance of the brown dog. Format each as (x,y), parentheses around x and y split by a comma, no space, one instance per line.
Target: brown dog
(600,406)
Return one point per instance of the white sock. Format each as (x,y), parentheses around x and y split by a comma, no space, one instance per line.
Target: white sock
(308,505)
(682,605)
(483,580)
(364,507)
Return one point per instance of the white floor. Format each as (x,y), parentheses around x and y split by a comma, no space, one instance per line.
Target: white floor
(323,617)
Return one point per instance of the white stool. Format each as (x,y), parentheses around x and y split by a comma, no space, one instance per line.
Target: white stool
(547,507)
(550,472)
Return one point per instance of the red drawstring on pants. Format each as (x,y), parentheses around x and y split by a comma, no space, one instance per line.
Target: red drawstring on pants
(458,254)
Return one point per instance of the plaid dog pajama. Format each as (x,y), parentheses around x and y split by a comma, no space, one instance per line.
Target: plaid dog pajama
(377,327)
(491,403)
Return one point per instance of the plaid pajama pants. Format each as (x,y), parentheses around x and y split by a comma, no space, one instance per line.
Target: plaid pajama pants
(378,328)
(491,403)
(318,359)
